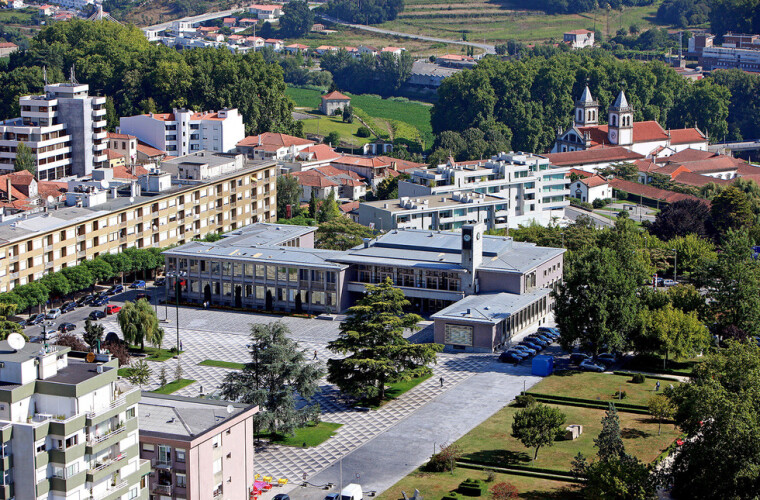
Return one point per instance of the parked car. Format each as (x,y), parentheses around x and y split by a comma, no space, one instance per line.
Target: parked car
(281,496)
(332,496)
(53,313)
(577,358)
(545,338)
(67,327)
(537,340)
(138,284)
(21,323)
(607,358)
(115,289)
(86,300)
(548,330)
(507,357)
(589,366)
(68,307)
(36,319)
(525,348)
(112,309)
(660,281)
(101,301)
(518,353)
(670,282)
(159,281)
(97,314)
(537,347)
(142,295)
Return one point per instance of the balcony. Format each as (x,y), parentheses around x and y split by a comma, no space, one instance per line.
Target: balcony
(162,489)
(419,292)
(113,492)
(129,397)
(109,466)
(98,443)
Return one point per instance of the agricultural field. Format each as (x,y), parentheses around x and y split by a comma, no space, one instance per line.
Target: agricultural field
(391,119)
(497,21)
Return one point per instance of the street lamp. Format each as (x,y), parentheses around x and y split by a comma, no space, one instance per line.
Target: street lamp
(675,265)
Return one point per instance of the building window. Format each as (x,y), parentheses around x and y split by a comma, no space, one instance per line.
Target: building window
(41,446)
(133,493)
(148,447)
(216,441)
(179,455)
(131,413)
(181,480)
(217,466)
(164,454)
(458,334)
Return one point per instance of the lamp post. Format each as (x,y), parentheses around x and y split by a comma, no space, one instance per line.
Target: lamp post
(675,265)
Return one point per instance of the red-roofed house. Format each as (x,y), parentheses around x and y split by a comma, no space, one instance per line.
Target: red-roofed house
(334,101)
(372,169)
(247,21)
(311,157)
(268,12)
(7,48)
(351,210)
(650,195)
(275,43)
(579,39)
(185,131)
(149,154)
(703,167)
(591,188)
(123,144)
(115,159)
(646,138)
(229,22)
(593,159)
(270,145)
(396,51)
(294,48)
(20,191)
(345,183)
(580,173)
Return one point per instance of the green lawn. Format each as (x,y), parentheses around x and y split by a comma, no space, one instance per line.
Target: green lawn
(653,364)
(174,386)
(396,389)
(124,372)
(491,442)
(222,364)
(304,98)
(323,125)
(20,16)
(433,486)
(154,353)
(597,386)
(311,435)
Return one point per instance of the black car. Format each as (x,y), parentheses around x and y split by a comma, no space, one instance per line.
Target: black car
(544,330)
(541,336)
(86,300)
(281,496)
(508,357)
(21,323)
(577,358)
(537,340)
(68,306)
(36,319)
(66,327)
(159,282)
(100,301)
(532,345)
(525,349)
(97,315)
(606,359)
(142,295)
(115,289)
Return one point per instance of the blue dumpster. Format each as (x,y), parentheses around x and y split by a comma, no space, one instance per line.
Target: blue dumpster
(543,365)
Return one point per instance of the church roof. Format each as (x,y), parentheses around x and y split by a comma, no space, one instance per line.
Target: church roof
(686,136)
(596,155)
(586,96)
(621,101)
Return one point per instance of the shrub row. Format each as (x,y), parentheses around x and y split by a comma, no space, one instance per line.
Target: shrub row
(594,406)
(520,472)
(472,487)
(618,405)
(526,468)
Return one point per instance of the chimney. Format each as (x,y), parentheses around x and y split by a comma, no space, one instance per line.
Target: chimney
(8,186)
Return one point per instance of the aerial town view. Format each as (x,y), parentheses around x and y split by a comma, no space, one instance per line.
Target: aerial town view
(379,249)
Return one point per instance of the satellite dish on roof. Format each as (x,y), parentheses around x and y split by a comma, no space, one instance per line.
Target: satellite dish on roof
(104,184)
(131,199)
(230,408)
(16,341)
(50,199)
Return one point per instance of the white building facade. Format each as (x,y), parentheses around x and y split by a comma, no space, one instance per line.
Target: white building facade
(184,131)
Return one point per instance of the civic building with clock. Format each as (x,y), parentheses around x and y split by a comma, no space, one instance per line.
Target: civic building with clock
(480,290)
(646,138)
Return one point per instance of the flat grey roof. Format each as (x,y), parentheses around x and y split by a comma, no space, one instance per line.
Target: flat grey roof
(434,201)
(521,258)
(29,351)
(77,371)
(203,158)
(264,233)
(489,308)
(184,417)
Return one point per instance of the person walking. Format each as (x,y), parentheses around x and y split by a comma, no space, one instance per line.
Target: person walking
(657,386)
(315,354)
(441,381)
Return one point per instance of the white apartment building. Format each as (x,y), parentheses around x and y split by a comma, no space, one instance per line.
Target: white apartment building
(69,429)
(73,4)
(183,131)
(65,129)
(534,189)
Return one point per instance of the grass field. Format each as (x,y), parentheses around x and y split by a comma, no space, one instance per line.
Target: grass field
(16,16)
(222,364)
(598,386)
(654,364)
(344,36)
(154,353)
(408,121)
(498,21)
(306,437)
(491,442)
(434,485)
(174,386)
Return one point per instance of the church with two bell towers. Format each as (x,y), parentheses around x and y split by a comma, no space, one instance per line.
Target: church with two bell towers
(647,138)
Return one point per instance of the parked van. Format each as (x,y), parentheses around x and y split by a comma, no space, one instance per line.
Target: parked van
(351,492)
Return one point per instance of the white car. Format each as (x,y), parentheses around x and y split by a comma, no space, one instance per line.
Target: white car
(53,313)
(670,282)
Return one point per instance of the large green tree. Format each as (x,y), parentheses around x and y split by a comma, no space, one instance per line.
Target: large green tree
(277,373)
(675,333)
(57,284)
(24,159)
(719,410)
(704,104)
(731,209)
(297,19)
(537,426)
(372,339)
(139,324)
(93,333)
(288,193)
(341,233)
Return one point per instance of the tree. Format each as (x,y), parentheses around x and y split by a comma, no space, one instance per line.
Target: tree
(682,218)
(162,378)
(609,443)
(341,233)
(24,159)
(537,426)
(72,341)
(93,333)
(277,372)
(446,458)
(705,104)
(32,294)
(348,114)
(100,269)
(297,19)
(693,252)
(119,351)
(733,284)
(313,204)
(504,491)
(677,333)
(139,373)
(139,323)
(57,284)
(79,277)
(376,351)
(328,209)
(660,407)
(288,193)
(731,210)
(719,410)
(7,327)
(333,138)
(625,171)
(621,478)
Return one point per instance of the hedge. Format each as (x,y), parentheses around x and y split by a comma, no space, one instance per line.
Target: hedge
(452,495)
(473,487)
(520,472)
(618,405)
(594,406)
(525,468)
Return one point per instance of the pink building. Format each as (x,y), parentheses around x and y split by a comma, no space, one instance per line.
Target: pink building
(199,448)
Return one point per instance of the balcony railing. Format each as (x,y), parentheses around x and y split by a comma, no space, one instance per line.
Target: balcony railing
(108,492)
(117,458)
(100,439)
(162,489)
(114,404)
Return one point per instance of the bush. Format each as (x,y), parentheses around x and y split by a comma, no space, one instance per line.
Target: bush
(504,491)
(333,138)
(452,495)
(363,132)
(620,394)
(582,204)
(524,400)
(72,341)
(598,203)
(119,351)
(638,378)
(472,487)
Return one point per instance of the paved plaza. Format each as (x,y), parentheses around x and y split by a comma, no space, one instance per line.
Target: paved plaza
(474,387)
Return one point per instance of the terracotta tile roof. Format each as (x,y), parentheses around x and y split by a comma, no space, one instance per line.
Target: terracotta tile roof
(578,32)
(299,46)
(272,40)
(401,165)
(688,154)
(228,20)
(327,47)
(349,207)
(149,151)
(164,117)
(335,95)
(594,181)
(455,57)
(391,49)
(686,136)
(113,155)
(329,170)
(596,155)
(129,172)
(698,180)
(313,179)
(273,139)
(320,152)
(124,137)
(720,163)
(362,161)
(651,192)
(581,173)
(8,45)
(646,165)
(52,188)
(248,20)
(265,7)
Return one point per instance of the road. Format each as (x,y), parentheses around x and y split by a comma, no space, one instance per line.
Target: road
(489,49)
(573,213)
(193,19)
